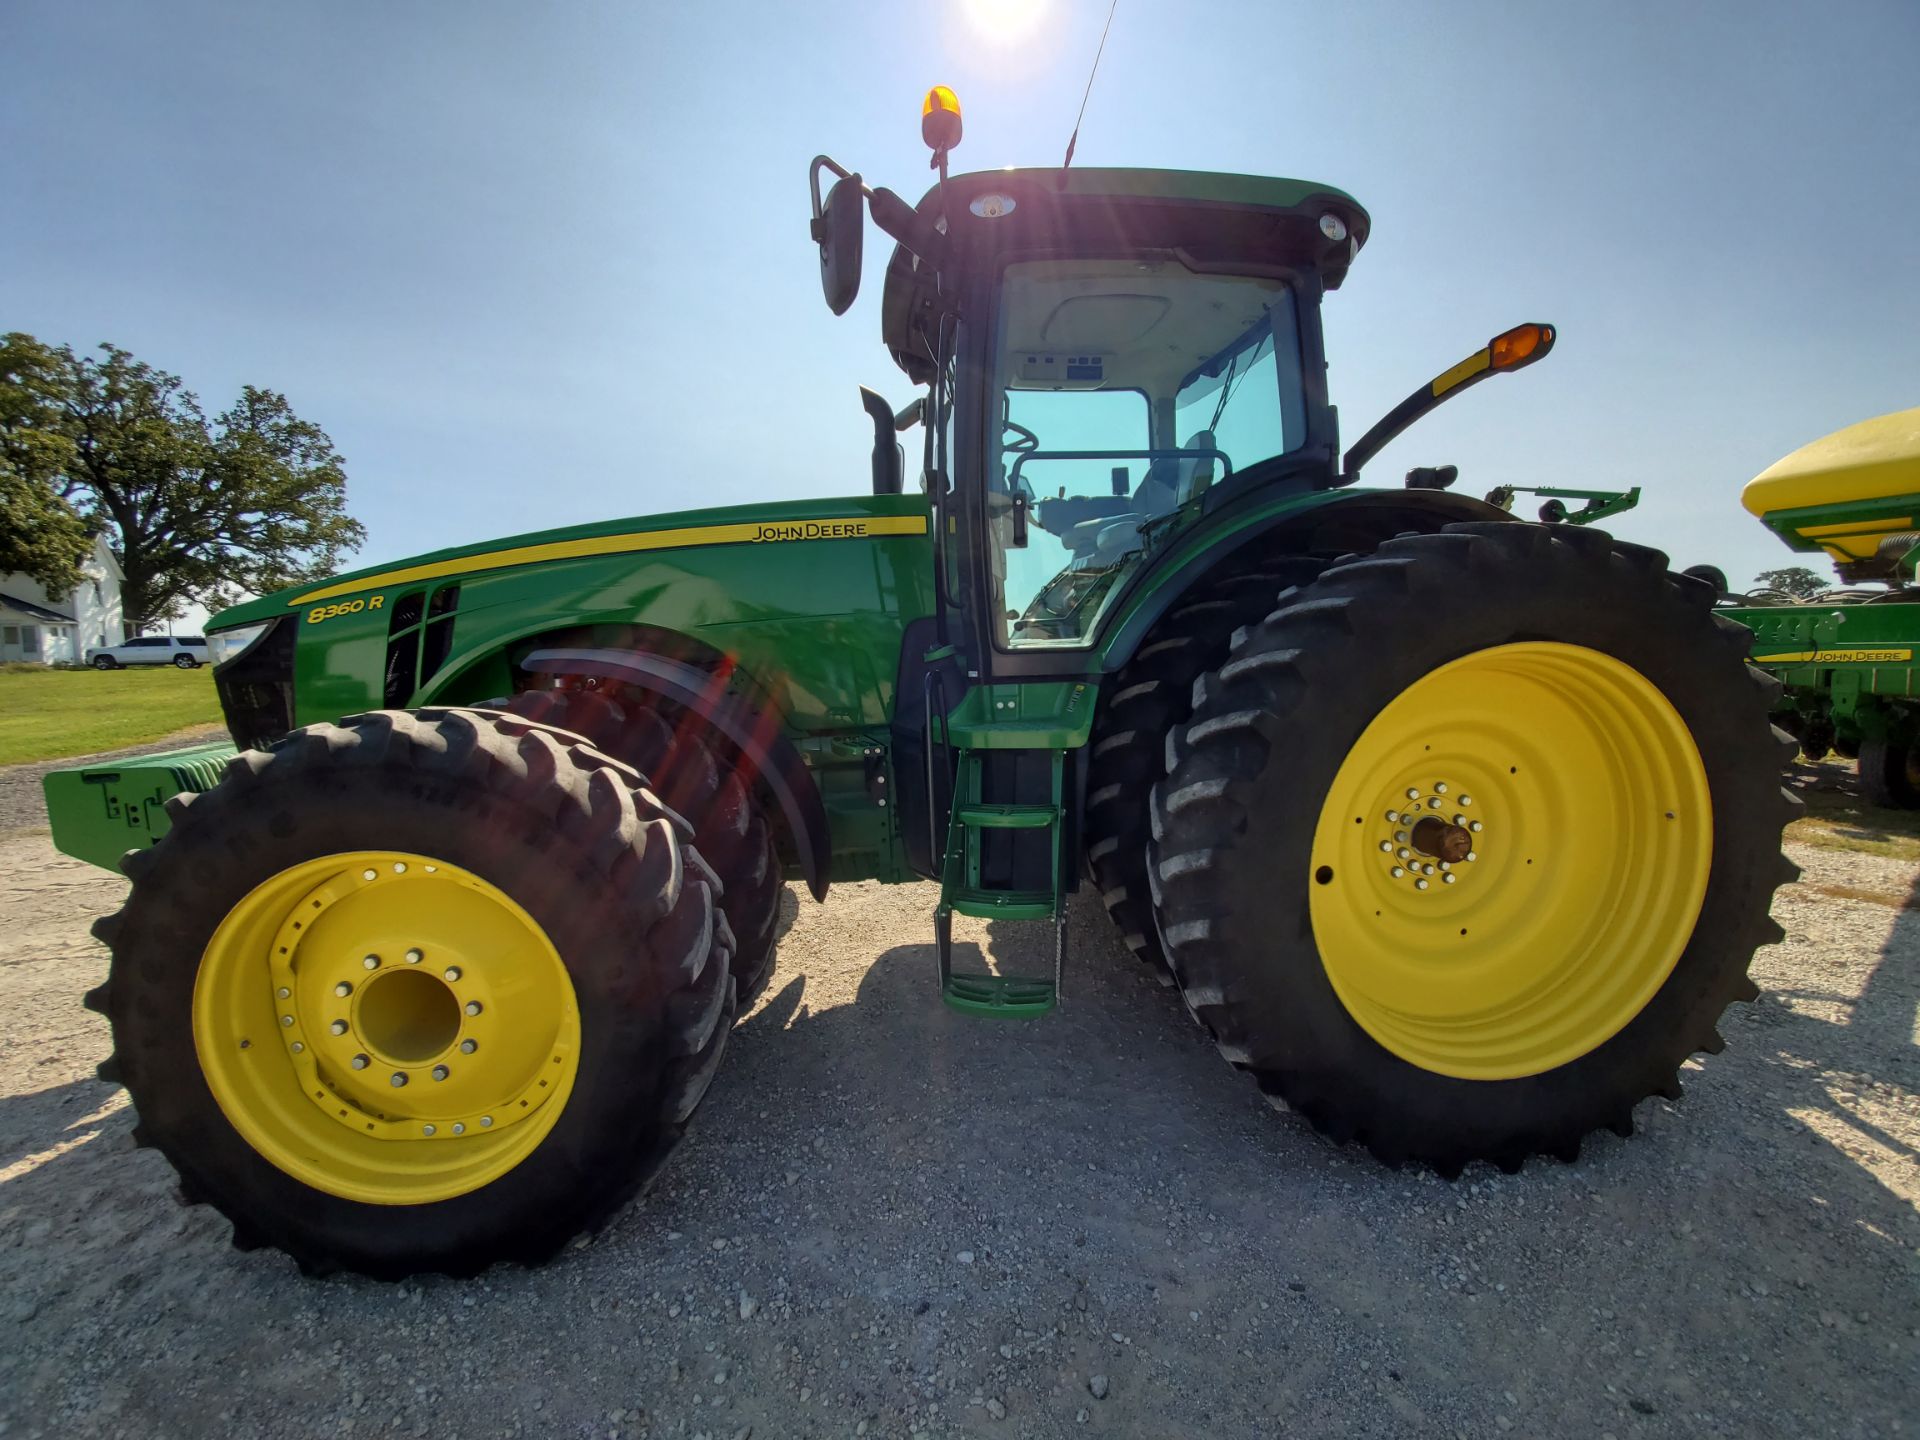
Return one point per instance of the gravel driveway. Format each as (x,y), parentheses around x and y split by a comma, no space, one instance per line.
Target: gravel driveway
(894,1220)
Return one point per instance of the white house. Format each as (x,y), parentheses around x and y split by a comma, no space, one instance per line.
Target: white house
(35,628)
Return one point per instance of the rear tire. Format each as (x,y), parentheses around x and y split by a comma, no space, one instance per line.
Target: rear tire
(729,827)
(1436,1054)
(237,1083)
(1150,696)
(1889,773)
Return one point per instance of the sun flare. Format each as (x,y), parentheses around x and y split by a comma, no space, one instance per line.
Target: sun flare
(1005,22)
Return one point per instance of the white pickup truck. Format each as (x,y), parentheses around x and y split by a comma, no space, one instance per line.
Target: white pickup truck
(185,651)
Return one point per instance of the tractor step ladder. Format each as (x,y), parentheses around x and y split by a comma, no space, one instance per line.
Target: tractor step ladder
(962,891)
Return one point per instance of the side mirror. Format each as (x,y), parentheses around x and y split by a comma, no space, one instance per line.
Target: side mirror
(839,230)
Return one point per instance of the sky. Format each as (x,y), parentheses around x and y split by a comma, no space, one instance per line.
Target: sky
(533,265)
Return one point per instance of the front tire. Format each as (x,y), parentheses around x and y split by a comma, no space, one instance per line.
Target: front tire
(417,992)
(1582,746)
(105,662)
(185,662)
(688,774)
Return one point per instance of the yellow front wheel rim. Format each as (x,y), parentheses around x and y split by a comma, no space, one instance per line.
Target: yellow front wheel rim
(1511,860)
(386,1027)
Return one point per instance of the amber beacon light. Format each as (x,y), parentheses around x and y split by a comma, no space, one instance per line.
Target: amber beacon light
(940,119)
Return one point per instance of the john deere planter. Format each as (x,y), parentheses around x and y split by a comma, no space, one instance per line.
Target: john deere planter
(1456,832)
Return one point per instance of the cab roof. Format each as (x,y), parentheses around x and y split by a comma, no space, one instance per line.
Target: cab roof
(1093,210)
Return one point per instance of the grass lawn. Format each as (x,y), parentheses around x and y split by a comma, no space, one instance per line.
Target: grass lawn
(50,714)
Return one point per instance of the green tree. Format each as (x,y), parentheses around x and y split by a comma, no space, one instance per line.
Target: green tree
(1795,580)
(253,500)
(41,535)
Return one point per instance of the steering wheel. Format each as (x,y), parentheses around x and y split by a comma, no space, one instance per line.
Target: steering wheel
(1028,440)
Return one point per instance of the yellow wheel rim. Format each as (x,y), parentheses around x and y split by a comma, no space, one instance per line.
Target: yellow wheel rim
(386,1027)
(1567,833)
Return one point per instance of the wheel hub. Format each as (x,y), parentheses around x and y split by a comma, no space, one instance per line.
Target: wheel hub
(1425,833)
(429,1034)
(397,1046)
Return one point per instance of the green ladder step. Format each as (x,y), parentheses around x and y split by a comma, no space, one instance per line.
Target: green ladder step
(1009,817)
(1011,997)
(1002,904)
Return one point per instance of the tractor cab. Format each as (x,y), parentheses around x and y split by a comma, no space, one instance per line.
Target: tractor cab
(1111,356)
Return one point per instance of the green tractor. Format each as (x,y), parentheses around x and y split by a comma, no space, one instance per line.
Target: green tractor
(1456,833)
(1846,656)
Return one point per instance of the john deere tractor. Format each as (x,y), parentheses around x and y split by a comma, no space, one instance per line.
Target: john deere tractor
(1456,833)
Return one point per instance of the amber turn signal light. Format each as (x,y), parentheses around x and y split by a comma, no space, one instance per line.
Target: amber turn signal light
(1519,346)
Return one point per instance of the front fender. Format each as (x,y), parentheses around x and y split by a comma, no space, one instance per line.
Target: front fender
(773,764)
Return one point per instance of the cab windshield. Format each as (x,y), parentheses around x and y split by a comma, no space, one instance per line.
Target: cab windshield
(1126,389)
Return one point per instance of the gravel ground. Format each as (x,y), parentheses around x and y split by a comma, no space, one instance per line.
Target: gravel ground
(893,1220)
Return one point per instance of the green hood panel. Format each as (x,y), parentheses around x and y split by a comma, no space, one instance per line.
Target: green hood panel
(733,524)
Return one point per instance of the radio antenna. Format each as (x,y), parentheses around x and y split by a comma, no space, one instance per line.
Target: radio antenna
(1074,139)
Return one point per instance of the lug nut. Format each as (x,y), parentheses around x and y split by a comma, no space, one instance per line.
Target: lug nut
(283,992)
(453,972)
(399,867)
(397,1079)
(414,957)
(287,1020)
(1472,856)
(1466,799)
(1396,872)
(1419,884)
(485,1120)
(1474,825)
(1386,847)
(372,962)
(440,1072)
(1401,836)
(1392,816)
(298,1047)
(426,1129)
(1413,794)
(467,1047)
(339,1027)
(368,874)
(343,989)
(359,1062)
(1448,879)
(473,1007)
(458,1128)
(1440,788)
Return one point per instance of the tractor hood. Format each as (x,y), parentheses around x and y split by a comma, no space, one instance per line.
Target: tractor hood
(783,522)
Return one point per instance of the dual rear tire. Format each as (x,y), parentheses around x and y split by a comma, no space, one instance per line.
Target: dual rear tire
(1464,848)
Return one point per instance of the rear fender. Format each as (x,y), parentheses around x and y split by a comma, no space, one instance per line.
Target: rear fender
(1324,523)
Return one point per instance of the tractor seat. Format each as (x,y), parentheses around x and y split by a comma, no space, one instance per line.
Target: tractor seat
(1172,483)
